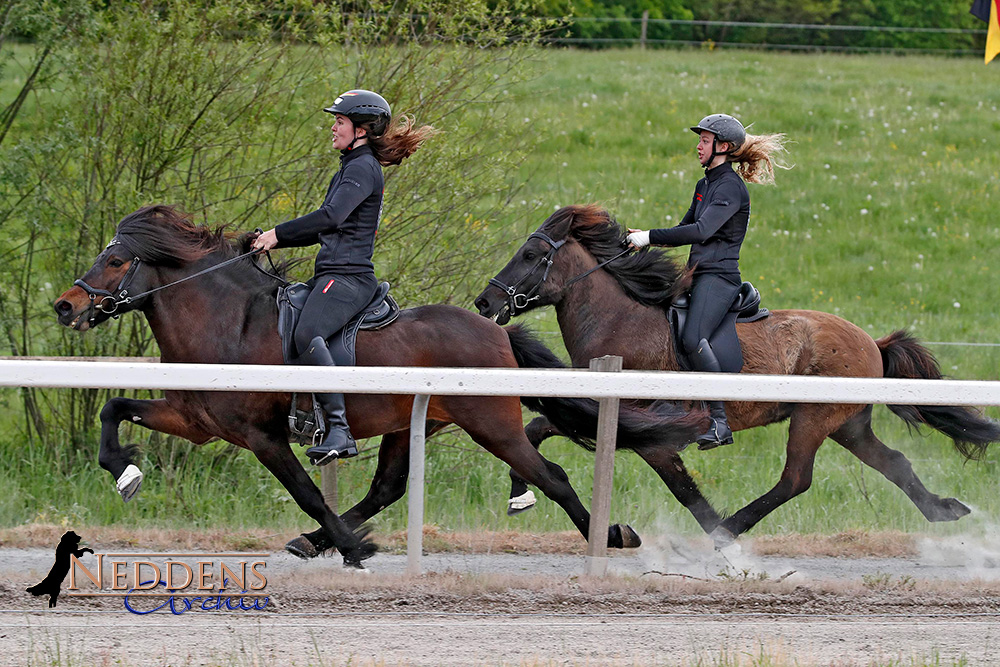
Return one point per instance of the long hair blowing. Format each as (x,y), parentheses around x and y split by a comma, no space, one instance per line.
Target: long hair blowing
(401,141)
(756,159)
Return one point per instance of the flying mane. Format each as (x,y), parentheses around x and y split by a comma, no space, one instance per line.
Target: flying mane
(650,276)
(161,234)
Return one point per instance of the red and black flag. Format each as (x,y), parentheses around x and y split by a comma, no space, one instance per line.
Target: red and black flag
(989,11)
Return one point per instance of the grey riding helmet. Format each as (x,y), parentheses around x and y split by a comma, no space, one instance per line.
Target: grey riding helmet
(363,106)
(725,128)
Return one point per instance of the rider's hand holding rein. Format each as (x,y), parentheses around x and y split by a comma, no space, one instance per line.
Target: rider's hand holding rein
(265,241)
(638,238)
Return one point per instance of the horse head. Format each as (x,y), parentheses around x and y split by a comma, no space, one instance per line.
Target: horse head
(531,278)
(592,240)
(103,291)
(147,243)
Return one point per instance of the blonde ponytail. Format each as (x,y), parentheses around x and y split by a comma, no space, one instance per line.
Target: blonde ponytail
(756,159)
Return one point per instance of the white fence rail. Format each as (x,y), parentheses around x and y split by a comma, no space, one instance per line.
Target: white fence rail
(425,382)
(496,382)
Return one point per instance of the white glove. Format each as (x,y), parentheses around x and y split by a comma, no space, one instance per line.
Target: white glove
(639,239)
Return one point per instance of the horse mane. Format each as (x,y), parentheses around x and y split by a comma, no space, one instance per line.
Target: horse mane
(161,234)
(649,276)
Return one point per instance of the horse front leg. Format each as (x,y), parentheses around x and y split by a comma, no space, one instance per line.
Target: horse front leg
(156,415)
(278,458)
(521,497)
(667,463)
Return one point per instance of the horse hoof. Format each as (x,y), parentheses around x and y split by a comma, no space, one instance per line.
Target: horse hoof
(951,509)
(630,539)
(523,502)
(722,537)
(129,482)
(356,567)
(301,547)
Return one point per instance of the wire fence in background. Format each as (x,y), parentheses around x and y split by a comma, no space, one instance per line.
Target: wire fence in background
(756,35)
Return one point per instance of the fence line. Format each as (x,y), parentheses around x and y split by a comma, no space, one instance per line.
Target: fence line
(425,382)
(496,382)
(763,24)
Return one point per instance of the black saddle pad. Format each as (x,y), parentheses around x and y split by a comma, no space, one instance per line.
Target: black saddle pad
(725,344)
(380,312)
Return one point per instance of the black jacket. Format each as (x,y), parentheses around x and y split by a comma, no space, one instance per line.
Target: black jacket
(715,225)
(346,224)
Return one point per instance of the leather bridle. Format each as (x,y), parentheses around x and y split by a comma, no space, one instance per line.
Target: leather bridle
(110,301)
(518,301)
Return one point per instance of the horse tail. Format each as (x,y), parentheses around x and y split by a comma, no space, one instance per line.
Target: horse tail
(659,423)
(904,357)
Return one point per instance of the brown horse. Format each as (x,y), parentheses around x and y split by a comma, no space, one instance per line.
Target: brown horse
(229,316)
(621,310)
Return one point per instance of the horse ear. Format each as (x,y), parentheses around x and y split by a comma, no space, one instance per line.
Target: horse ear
(559,223)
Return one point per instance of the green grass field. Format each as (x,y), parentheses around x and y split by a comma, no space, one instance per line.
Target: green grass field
(887,218)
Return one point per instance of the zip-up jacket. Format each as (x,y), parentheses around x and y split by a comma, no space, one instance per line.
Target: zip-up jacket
(715,225)
(346,224)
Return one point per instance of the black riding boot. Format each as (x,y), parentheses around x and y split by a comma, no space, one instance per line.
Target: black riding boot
(718,433)
(338,442)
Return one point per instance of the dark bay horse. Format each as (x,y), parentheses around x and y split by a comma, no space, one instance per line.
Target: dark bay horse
(229,316)
(620,310)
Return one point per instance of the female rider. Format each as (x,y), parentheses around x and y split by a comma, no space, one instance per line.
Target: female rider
(715,226)
(345,227)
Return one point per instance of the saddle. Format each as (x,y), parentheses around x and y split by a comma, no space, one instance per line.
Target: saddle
(725,344)
(307,426)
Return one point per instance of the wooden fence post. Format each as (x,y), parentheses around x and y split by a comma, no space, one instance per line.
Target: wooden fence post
(328,485)
(642,34)
(596,562)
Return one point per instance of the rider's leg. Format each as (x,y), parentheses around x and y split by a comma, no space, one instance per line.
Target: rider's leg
(334,300)
(711,297)
(719,433)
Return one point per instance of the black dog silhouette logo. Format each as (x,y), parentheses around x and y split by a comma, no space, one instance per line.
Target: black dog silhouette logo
(68,546)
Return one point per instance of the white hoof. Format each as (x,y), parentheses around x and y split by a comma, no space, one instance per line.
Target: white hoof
(130,481)
(525,501)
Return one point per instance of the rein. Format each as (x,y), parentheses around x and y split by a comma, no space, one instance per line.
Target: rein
(518,301)
(111,301)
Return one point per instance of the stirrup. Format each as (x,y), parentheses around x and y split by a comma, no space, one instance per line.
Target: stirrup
(715,437)
(319,456)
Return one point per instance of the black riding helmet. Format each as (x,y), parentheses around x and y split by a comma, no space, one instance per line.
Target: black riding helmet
(725,128)
(365,108)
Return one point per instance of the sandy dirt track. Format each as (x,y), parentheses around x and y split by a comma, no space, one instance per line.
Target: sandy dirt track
(668,604)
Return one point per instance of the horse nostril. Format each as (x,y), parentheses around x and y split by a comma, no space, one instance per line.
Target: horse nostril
(64,307)
(481,304)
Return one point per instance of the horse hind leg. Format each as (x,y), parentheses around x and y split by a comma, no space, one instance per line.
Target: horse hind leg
(809,426)
(857,437)
(521,497)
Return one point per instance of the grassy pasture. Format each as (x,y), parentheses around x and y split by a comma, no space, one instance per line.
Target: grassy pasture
(887,219)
